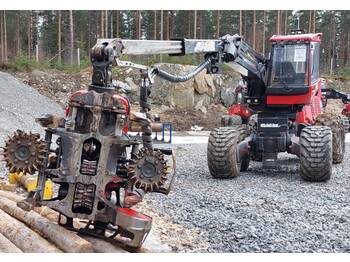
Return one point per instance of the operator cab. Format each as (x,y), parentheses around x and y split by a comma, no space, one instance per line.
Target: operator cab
(294,68)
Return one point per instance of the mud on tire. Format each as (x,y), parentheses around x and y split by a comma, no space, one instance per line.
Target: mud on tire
(316,153)
(335,123)
(222,151)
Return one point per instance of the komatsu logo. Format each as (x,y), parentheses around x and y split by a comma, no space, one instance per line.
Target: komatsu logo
(269,125)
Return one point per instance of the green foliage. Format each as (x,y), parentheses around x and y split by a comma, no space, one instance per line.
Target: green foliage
(344,73)
(23,63)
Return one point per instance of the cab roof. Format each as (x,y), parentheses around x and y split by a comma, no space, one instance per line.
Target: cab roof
(298,37)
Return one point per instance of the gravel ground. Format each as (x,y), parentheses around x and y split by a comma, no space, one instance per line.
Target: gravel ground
(259,211)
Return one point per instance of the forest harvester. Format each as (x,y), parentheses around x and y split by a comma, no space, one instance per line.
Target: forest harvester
(101,168)
(280,108)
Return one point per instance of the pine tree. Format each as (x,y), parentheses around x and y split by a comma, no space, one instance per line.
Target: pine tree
(71,40)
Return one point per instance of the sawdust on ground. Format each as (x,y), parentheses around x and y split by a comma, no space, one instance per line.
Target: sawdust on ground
(178,237)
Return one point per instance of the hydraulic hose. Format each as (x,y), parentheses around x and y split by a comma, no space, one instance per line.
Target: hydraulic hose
(182,78)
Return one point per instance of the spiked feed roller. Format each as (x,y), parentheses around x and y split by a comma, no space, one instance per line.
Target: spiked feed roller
(148,170)
(24,152)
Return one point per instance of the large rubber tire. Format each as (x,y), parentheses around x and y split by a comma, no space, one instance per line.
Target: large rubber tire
(222,151)
(316,153)
(231,120)
(334,122)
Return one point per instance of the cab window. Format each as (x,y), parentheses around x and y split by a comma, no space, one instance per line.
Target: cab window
(289,65)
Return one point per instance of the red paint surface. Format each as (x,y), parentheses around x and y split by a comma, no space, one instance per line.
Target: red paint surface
(312,109)
(132,213)
(239,109)
(301,37)
(77,93)
(289,100)
(346,109)
(126,104)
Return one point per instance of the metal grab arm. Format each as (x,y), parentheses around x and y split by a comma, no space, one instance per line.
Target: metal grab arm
(335,94)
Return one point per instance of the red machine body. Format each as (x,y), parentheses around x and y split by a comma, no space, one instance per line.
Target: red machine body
(311,99)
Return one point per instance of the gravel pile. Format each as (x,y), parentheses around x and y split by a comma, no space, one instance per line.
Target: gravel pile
(261,210)
(19,106)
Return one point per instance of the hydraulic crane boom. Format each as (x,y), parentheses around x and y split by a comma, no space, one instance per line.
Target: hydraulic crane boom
(228,49)
(154,47)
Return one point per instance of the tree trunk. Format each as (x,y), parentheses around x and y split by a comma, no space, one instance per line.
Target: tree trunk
(117,23)
(171,27)
(112,25)
(240,22)
(161,25)
(245,23)
(331,41)
(64,239)
(310,21)
(278,22)
(189,35)
(6,246)
(137,32)
(29,34)
(155,25)
(254,28)
(24,238)
(18,37)
(286,22)
(71,39)
(5,36)
(342,48)
(59,37)
(195,24)
(140,24)
(102,24)
(218,23)
(348,51)
(314,22)
(264,33)
(1,37)
(167,25)
(200,24)
(106,24)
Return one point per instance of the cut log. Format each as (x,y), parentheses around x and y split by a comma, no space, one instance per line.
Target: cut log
(102,246)
(43,210)
(6,246)
(23,237)
(64,239)
(11,196)
(7,187)
(99,245)
(47,212)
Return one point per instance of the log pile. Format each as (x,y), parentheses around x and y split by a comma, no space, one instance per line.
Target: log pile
(37,231)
